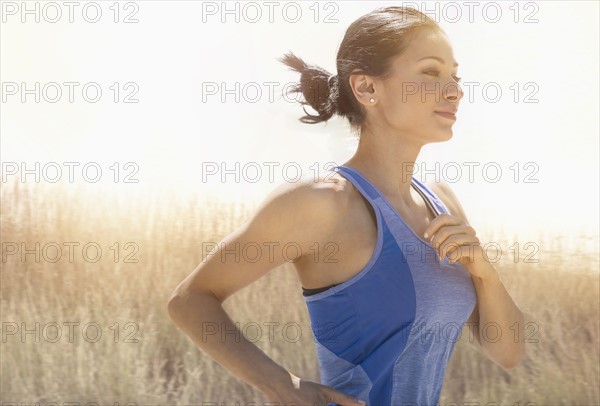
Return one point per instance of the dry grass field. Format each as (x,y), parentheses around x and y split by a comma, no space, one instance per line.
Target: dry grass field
(142,357)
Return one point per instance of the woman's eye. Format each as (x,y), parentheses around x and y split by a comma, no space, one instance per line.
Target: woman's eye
(435,72)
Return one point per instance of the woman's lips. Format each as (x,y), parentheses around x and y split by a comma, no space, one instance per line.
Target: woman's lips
(446,115)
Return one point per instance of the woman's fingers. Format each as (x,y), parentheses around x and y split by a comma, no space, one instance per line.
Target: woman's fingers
(454,254)
(452,245)
(445,232)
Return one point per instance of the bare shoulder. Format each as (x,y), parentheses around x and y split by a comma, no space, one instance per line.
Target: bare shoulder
(312,202)
(448,197)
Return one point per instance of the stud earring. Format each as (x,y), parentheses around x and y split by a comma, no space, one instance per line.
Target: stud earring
(372,100)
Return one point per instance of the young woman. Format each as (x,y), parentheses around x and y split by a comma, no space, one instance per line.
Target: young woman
(409,270)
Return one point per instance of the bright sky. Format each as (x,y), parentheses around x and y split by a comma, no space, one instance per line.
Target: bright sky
(548,51)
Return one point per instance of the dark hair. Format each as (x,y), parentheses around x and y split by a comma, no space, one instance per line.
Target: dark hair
(369,46)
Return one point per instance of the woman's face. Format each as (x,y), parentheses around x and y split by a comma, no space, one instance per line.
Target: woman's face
(418,87)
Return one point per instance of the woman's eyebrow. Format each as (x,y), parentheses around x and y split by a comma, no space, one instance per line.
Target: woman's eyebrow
(435,57)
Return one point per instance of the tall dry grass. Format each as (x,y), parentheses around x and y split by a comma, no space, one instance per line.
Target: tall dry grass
(165,367)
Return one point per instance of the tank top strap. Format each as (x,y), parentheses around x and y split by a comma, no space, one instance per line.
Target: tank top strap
(432,197)
(363,185)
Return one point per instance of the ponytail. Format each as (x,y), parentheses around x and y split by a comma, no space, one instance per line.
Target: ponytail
(318,87)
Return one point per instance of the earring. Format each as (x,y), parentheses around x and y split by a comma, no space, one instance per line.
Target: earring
(372,100)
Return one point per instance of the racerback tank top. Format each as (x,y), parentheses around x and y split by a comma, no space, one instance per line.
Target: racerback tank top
(386,334)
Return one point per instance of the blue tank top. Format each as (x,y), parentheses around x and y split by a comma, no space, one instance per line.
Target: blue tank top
(386,334)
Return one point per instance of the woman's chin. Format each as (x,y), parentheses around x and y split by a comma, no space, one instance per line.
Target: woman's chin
(444,135)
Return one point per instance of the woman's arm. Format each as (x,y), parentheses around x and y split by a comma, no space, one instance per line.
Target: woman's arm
(202,317)
(301,214)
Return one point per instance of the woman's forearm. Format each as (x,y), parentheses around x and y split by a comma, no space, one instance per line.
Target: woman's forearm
(499,312)
(203,319)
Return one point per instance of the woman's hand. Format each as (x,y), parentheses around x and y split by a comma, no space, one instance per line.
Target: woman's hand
(302,392)
(453,236)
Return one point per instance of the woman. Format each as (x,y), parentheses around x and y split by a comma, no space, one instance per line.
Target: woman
(387,313)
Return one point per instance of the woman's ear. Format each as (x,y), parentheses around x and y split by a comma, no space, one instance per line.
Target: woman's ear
(363,88)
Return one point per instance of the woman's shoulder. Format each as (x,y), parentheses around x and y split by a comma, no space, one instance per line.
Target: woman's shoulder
(321,200)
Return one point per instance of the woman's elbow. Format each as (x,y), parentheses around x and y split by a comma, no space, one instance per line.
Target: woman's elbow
(174,305)
(511,364)
(514,361)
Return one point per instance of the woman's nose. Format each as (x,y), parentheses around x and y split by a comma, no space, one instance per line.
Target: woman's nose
(453,92)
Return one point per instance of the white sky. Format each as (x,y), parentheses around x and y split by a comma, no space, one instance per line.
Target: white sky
(170,53)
